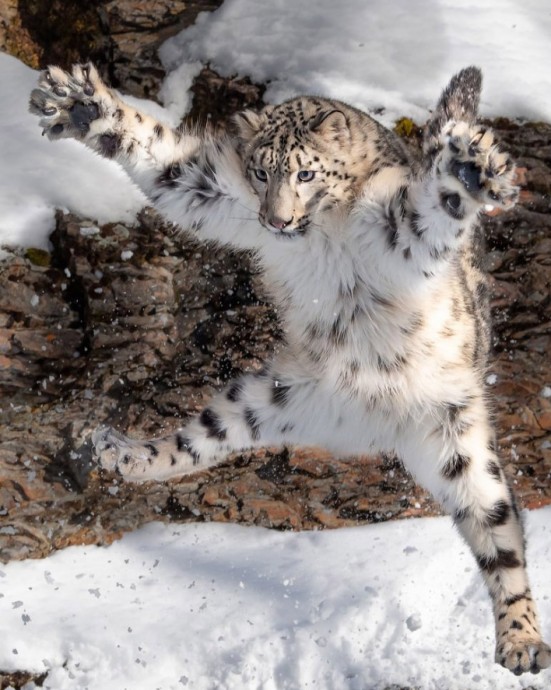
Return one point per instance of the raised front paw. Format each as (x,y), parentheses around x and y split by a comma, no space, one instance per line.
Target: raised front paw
(68,103)
(474,170)
(521,654)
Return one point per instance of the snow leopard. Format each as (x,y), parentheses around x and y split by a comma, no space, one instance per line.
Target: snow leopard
(370,255)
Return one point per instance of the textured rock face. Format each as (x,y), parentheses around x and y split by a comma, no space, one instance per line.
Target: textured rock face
(121,36)
(520,261)
(130,326)
(142,342)
(52,31)
(136,29)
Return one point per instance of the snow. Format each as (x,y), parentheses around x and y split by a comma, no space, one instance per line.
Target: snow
(37,175)
(215,606)
(175,92)
(376,54)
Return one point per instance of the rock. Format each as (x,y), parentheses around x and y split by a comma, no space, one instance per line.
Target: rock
(15,38)
(140,342)
(125,15)
(127,326)
(215,98)
(271,513)
(55,32)
(121,36)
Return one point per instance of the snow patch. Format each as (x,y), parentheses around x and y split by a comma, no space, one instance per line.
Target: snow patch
(37,175)
(390,58)
(89,231)
(210,606)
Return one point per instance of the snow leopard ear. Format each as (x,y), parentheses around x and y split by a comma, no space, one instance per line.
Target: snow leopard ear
(248,123)
(459,101)
(331,124)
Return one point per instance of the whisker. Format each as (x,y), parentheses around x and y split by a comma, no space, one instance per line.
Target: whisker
(246,207)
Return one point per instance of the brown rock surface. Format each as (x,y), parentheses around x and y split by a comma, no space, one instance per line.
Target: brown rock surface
(121,36)
(141,343)
(89,338)
(86,337)
(15,38)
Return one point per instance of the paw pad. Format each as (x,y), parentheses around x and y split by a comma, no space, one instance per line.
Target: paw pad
(468,173)
(82,115)
(63,100)
(471,156)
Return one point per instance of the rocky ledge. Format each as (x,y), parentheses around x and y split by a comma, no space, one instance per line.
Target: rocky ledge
(134,327)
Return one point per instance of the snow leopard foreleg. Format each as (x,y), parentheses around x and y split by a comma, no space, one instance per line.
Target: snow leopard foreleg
(455,458)
(254,410)
(194,180)
(79,105)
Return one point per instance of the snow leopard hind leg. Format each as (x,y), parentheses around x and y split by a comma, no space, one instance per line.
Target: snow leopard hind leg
(452,451)
(453,455)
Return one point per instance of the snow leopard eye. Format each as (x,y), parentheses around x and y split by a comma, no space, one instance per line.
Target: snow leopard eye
(261,174)
(306,175)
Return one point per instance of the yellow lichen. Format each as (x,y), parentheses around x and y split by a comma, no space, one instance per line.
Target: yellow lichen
(405,127)
(38,257)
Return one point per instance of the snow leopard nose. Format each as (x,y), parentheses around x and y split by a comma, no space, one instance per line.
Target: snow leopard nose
(278,223)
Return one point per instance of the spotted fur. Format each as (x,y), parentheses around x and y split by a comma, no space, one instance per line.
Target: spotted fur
(370,256)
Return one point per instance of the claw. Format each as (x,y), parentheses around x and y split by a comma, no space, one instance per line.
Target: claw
(478,137)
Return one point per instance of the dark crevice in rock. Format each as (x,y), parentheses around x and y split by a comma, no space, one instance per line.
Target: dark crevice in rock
(75,293)
(71,466)
(276,469)
(216,99)
(65,31)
